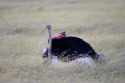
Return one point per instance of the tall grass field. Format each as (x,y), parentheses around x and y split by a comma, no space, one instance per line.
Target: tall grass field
(23,35)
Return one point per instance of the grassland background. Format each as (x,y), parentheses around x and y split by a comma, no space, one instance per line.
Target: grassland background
(23,35)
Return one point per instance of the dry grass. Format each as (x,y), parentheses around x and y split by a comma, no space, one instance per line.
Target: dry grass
(23,35)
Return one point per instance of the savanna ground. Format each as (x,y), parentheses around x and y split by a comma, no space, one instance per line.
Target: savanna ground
(23,35)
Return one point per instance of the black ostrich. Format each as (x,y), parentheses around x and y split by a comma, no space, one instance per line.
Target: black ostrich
(69,48)
(72,47)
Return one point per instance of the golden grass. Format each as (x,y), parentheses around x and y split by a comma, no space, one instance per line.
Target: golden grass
(23,35)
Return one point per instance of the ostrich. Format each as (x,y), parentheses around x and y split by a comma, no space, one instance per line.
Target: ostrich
(68,48)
